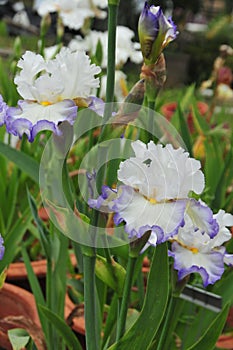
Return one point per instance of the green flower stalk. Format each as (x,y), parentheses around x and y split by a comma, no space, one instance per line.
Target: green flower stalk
(44,27)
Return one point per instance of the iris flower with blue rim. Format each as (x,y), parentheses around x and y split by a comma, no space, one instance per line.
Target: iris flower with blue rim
(51,91)
(194,251)
(154,195)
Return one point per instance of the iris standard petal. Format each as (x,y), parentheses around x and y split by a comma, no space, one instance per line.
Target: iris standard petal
(202,217)
(161,172)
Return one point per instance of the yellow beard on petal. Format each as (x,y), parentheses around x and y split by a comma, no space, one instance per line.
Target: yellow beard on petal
(194,250)
(46,103)
(151,200)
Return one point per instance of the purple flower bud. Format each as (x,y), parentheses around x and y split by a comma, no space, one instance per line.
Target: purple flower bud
(155,32)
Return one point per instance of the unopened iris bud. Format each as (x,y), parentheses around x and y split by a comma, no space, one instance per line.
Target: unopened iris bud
(155,32)
(17,47)
(45,24)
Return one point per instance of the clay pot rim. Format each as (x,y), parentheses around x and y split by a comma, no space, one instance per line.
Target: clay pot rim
(25,296)
(17,270)
(78,324)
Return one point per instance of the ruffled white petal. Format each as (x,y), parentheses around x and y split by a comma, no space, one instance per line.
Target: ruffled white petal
(224,234)
(76,18)
(162,173)
(31,65)
(72,12)
(76,73)
(49,89)
(125,47)
(68,76)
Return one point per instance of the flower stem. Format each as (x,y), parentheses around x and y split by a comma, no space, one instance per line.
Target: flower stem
(151,104)
(125,298)
(112,23)
(91,303)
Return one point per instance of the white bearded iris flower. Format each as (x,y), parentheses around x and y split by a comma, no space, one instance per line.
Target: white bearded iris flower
(125,47)
(73,13)
(49,90)
(154,194)
(195,251)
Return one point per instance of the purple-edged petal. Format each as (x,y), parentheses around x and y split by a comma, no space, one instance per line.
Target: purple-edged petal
(202,217)
(3,111)
(19,126)
(104,202)
(224,234)
(31,117)
(228,259)
(209,265)
(2,248)
(97,105)
(195,251)
(156,236)
(137,212)
(44,125)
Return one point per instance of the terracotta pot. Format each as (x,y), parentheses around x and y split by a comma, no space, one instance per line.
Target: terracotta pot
(17,271)
(74,315)
(225,341)
(230,318)
(43,215)
(169,109)
(18,310)
(19,307)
